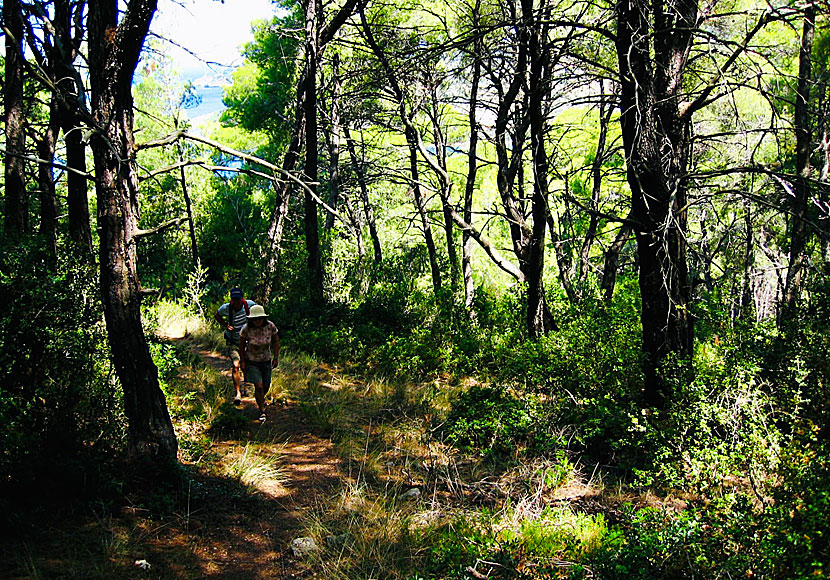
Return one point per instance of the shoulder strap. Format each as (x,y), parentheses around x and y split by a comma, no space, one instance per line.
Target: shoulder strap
(230,311)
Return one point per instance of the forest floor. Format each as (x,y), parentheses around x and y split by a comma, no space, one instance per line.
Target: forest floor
(250,492)
(220,526)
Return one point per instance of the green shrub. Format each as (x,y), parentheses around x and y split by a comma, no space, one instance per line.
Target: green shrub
(60,406)
(494,422)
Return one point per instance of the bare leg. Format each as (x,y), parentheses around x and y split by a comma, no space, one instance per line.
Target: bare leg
(259,395)
(236,373)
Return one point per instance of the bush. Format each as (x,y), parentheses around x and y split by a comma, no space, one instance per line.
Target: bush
(493,422)
(59,404)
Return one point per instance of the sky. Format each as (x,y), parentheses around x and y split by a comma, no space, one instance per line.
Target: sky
(213,30)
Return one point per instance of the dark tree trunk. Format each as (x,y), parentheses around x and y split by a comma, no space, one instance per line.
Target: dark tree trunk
(364,195)
(611,261)
(312,227)
(539,320)
(746,307)
(194,247)
(596,174)
(656,141)
(283,194)
(333,142)
(46,185)
(472,165)
(420,203)
(69,34)
(308,78)
(412,139)
(113,52)
(16,210)
(800,233)
(444,183)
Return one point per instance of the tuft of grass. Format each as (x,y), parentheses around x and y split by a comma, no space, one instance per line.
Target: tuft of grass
(253,469)
(363,535)
(176,321)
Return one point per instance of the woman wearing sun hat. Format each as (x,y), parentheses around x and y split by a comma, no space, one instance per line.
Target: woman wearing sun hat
(257,341)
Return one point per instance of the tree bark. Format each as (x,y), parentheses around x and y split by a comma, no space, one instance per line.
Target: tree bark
(113,53)
(446,185)
(283,195)
(360,174)
(412,140)
(333,142)
(46,185)
(800,233)
(16,210)
(314,263)
(656,141)
(611,261)
(539,319)
(72,100)
(472,165)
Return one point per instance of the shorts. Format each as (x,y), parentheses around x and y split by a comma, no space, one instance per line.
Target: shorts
(233,352)
(258,371)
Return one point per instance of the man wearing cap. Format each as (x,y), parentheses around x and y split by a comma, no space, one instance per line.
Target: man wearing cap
(232,316)
(259,346)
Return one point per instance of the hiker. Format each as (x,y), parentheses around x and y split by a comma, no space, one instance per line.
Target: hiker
(232,316)
(257,341)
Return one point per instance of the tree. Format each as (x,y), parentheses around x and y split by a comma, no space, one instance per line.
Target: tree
(114,48)
(16,209)
(800,232)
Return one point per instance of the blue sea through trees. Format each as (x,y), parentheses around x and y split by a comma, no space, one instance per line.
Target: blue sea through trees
(211,102)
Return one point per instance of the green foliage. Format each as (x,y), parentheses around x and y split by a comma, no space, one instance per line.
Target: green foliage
(494,422)
(167,362)
(59,403)
(796,536)
(657,543)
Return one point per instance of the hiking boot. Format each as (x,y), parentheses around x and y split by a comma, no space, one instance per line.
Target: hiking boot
(237,400)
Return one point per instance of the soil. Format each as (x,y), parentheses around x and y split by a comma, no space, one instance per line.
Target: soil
(216,528)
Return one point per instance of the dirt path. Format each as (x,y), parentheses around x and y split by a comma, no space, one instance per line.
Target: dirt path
(248,535)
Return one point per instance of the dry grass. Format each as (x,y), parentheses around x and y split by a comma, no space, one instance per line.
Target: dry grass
(254,467)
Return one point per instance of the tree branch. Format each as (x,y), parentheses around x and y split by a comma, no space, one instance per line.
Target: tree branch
(159,228)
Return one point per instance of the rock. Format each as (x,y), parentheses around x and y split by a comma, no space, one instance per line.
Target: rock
(302,547)
(142,564)
(411,495)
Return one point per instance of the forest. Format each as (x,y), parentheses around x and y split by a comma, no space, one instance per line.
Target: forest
(551,279)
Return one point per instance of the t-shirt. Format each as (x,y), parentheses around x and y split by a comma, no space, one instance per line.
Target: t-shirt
(259,341)
(239,320)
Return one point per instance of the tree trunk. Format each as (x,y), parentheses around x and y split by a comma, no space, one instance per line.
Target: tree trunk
(596,173)
(113,53)
(539,320)
(656,142)
(446,185)
(420,205)
(16,210)
(194,247)
(46,185)
(800,233)
(472,166)
(283,195)
(72,100)
(312,227)
(612,257)
(412,143)
(364,195)
(333,142)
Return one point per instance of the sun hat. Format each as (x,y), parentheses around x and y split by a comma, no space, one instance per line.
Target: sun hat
(257,311)
(236,293)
